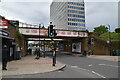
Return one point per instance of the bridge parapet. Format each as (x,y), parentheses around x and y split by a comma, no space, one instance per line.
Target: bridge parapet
(44,32)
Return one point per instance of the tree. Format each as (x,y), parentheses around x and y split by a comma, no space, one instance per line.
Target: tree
(117,30)
(100,30)
(19,37)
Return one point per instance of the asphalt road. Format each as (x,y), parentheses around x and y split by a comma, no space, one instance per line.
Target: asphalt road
(102,68)
(79,67)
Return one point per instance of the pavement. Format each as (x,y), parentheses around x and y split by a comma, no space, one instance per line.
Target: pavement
(104,57)
(100,57)
(29,65)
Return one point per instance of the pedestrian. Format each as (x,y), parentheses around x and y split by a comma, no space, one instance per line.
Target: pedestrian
(5,57)
(30,51)
(89,52)
(37,52)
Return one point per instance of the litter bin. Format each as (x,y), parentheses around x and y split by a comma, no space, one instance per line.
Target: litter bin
(117,52)
(18,55)
(85,53)
(113,53)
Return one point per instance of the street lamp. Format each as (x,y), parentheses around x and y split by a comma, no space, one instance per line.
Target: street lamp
(109,41)
(39,38)
(42,26)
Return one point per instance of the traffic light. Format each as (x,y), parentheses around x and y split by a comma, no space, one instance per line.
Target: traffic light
(91,41)
(55,34)
(50,31)
(14,23)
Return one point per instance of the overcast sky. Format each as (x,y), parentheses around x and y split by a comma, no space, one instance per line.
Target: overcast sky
(97,13)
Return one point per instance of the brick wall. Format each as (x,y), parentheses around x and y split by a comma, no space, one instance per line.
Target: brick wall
(11,30)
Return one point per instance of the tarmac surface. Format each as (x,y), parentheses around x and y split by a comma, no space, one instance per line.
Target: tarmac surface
(29,65)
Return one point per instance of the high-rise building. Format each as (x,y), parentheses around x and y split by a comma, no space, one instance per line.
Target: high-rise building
(68,15)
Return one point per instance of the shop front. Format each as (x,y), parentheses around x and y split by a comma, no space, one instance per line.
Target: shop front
(9,42)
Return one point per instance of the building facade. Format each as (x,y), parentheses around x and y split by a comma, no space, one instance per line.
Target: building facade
(8,37)
(68,15)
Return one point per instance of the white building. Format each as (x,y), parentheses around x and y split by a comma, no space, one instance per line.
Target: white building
(68,15)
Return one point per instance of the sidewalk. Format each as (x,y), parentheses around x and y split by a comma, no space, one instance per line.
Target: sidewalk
(101,57)
(105,57)
(29,65)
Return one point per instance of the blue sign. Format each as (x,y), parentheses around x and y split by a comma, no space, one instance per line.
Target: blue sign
(4,33)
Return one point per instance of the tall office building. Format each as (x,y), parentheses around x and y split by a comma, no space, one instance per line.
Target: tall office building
(68,15)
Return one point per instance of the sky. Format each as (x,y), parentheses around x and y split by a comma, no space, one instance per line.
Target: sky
(37,12)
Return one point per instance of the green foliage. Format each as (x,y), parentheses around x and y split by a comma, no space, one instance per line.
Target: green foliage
(117,30)
(100,30)
(114,36)
(18,34)
(49,43)
(19,37)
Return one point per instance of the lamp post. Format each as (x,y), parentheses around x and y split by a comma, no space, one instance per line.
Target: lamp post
(109,40)
(39,38)
(42,26)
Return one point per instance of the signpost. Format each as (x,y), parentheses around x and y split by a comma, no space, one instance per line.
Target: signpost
(3,23)
(4,33)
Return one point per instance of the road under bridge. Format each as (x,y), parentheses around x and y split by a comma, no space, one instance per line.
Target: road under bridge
(67,38)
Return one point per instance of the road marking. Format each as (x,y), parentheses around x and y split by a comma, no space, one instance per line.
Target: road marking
(108,65)
(90,65)
(74,66)
(98,74)
(60,71)
(88,71)
(83,69)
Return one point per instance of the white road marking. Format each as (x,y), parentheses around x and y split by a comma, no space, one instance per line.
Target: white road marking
(98,74)
(108,65)
(74,66)
(82,69)
(90,65)
(88,71)
(60,71)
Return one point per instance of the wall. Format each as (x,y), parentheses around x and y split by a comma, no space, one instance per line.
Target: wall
(11,30)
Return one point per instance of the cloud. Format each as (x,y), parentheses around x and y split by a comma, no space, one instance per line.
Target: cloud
(30,12)
(98,13)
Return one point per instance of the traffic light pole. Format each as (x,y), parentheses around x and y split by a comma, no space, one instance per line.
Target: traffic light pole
(54,53)
(52,34)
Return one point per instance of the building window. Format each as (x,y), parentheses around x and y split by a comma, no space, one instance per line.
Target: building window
(73,7)
(73,15)
(73,11)
(73,3)
(78,20)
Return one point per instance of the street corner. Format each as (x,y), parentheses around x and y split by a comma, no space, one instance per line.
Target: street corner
(32,69)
